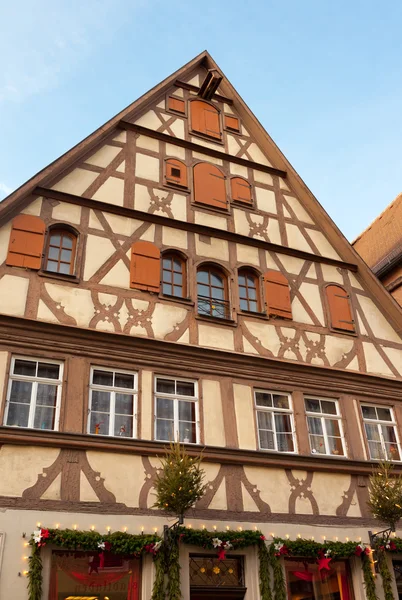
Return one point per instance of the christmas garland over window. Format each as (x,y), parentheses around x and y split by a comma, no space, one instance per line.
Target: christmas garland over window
(166,558)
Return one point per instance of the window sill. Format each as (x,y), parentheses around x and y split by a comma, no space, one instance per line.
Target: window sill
(329,456)
(208,138)
(343,331)
(240,204)
(177,187)
(216,320)
(257,315)
(59,276)
(176,299)
(214,209)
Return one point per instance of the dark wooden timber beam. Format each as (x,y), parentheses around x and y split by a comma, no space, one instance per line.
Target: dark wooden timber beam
(193,227)
(164,137)
(196,89)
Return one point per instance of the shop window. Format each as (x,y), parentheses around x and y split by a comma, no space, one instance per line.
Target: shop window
(324,426)
(381,432)
(275,421)
(175,172)
(145,267)
(176,410)
(60,251)
(212,578)
(305,580)
(340,311)
(205,119)
(212,292)
(232,123)
(34,394)
(176,105)
(112,402)
(248,290)
(173,275)
(209,186)
(240,190)
(277,295)
(26,242)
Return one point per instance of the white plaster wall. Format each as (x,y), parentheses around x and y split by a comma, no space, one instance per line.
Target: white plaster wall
(147,167)
(13,295)
(177,238)
(214,429)
(265,200)
(215,337)
(112,192)
(33,208)
(216,248)
(244,408)
(4,241)
(104,156)
(148,143)
(210,220)
(76,182)
(69,213)
(377,321)
(248,255)
(98,250)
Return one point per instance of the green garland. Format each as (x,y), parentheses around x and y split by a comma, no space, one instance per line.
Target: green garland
(385,574)
(158,590)
(279,580)
(265,580)
(368,578)
(35,574)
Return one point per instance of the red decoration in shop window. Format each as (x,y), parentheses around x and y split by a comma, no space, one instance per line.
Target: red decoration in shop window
(323,563)
(361,549)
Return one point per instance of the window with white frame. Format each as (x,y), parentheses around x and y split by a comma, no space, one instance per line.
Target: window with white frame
(34,393)
(112,402)
(176,410)
(324,426)
(275,421)
(381,433)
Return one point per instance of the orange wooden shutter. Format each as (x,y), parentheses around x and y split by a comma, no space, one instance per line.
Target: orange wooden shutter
(339,308)
(26,242)
(176,172)
(241,189)
(277,295)
(205,119)
(176,104)
(145,267)
(209,185)
(232,123)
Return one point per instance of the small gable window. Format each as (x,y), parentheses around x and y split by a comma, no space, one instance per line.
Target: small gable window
(209,186)
(277,295)
(340,311)
(240,190)
(176,105)
(173,275)
(232,123)
(145,267)
(26,242)
(205,119)
(175,172)
(248,291)
(60,252)
(212,292)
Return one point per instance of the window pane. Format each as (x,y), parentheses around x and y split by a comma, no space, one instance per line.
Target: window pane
(218,293)
(369,412)
(123,426)
(392,452)
(244,305)
(312,405)
(67,242)
(55,239)
(335,446)
(66,255)
(332,426)
(328,407)
(53,253)
(185,388)
(186,411)
(167,263)
(242,280)
(103,377)
(124,404)
(100,401)
(52,266)
(372,432)
(164,408)
(204,306)
(264,420)
(283,423)
(124,380)
(166,386)
(267,440)
(202,276)
(48,371)
(99,423)
(280,401)
(203,290)
(177,265)
(177,291)
(167,289)
(317,444)
(252,294)
(44,417)
(388,434)
(25,367)
(216,280)
(263,399)
(177,278)
(21,392)
(164,430)
(64,268)
(187,432)
(314,425)
(250,281)
(376,450)
(167,276)
(46,395)
(285,442)
(18,415)
(384,414)
(253,306)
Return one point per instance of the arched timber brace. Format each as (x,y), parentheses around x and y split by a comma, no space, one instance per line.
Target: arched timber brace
(241,190)
(277,295)
(145,267)
(340,311)
(26,242)
(209,185)
(205,119)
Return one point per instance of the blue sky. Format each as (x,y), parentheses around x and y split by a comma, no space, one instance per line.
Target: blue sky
(323,77)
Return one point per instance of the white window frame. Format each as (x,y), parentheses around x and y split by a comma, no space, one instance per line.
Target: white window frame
(274,410)
(176,398)
(323,416)
(35,380)
(113,390)
(379,422)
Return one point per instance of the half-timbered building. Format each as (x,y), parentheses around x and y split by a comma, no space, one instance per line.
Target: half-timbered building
(172,276)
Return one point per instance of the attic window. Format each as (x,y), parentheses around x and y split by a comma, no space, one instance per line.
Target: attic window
(175,173)
(176,105)
(232,123)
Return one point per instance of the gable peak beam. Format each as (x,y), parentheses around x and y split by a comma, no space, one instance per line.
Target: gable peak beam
(210,84)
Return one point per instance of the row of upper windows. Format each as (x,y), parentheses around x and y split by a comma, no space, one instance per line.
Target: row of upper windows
(152,272)
(34,398)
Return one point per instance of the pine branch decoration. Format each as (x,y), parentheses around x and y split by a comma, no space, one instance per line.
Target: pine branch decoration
(385,490)
(179,485)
